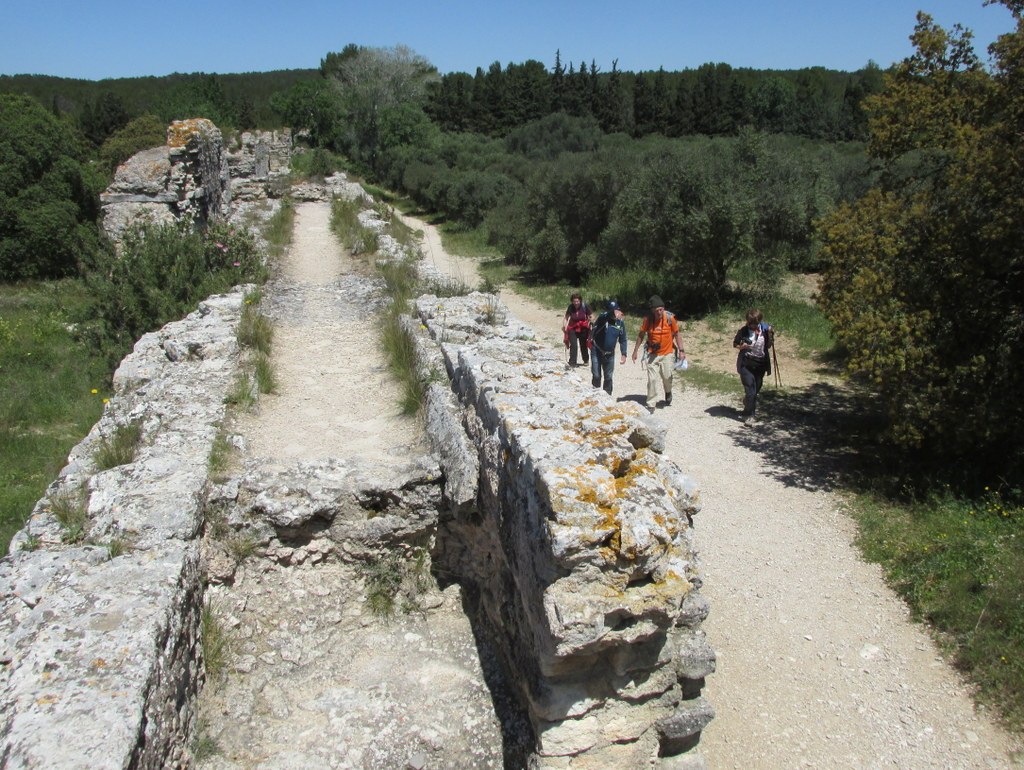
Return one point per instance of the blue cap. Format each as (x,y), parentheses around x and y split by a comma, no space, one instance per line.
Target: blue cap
(613,306)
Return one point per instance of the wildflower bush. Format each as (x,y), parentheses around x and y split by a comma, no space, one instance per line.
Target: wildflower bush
(162,272)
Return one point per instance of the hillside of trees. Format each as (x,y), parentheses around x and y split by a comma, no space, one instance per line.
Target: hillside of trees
(685,183)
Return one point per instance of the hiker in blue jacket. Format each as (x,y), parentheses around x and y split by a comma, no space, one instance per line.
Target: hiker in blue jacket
(609,330)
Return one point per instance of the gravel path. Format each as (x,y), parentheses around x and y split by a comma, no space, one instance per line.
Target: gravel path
(819,664)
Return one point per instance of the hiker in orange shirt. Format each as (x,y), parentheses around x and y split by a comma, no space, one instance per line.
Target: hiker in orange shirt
(663,337)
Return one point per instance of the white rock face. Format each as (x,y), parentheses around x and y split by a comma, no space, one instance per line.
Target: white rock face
(579,545)
(101,660)
(188,178)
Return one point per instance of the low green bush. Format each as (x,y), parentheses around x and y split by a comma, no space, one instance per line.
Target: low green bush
(160,275)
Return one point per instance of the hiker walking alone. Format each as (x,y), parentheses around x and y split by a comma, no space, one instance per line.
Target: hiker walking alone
(753,341)
(609,330)
(576,329)
(663,336)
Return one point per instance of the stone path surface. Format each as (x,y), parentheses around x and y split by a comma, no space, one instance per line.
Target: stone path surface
(317,680)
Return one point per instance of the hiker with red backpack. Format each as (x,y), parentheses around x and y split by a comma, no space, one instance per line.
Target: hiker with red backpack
(576,330)
(754,341)
(664,338)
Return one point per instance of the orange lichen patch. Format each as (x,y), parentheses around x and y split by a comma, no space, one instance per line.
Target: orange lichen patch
(636,468)
(47,700)
(181,131)
(98,663)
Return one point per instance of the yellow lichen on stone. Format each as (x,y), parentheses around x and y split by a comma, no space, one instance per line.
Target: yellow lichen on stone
(181,131)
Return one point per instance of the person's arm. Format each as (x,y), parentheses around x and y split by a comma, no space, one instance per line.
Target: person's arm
(679,343)
(622,343)
(738,341)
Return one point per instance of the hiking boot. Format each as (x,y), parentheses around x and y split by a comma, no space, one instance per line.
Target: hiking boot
(668,400)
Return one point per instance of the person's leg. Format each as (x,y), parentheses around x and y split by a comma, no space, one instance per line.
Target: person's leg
(749,389)
(595,370)
(758,382)
(609,371)
(667,370)
(573,344)
(652,380)
(584,349)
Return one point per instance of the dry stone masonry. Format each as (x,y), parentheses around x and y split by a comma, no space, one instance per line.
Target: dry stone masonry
(572,532)
(101,659)
(188,178)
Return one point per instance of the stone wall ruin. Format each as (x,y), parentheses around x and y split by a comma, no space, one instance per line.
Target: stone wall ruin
(551,504)
(572,532)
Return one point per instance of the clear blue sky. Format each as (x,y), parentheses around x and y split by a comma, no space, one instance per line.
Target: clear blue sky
(96,39)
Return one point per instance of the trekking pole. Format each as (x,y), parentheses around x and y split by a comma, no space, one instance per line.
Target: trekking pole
(775,363)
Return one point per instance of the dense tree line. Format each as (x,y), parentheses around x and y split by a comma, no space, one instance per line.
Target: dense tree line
(568,200)
(99,108)
(713,100)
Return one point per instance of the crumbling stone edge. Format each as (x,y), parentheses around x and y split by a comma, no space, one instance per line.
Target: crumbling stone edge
(100,653)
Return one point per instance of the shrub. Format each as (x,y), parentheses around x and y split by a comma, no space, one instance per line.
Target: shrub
(162,272)
(142,133)
(49,199)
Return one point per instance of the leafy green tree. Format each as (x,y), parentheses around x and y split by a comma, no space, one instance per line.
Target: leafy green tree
(200,97)
(49,199)
(369,82)
(100,120)
(925,287)
(311,106)
(685,215)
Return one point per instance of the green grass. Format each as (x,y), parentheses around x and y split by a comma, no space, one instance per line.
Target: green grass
(216,643)
(68,508)
(51,392)
(960,566)
(279,228)
(255,330)
(791,318)
(264,373)
(119,448)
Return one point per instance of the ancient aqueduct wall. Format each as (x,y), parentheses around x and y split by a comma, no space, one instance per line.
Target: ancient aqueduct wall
(554,507)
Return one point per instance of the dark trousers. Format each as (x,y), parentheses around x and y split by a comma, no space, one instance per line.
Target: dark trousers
(602,364)
(578,340)
(752,378)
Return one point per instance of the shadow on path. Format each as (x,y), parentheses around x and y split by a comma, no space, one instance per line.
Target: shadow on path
(820,438)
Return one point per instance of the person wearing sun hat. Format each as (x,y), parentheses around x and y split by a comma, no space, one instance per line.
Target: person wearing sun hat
(663,339)
(609,330)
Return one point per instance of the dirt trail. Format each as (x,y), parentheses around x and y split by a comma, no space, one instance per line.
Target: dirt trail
(819,664)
